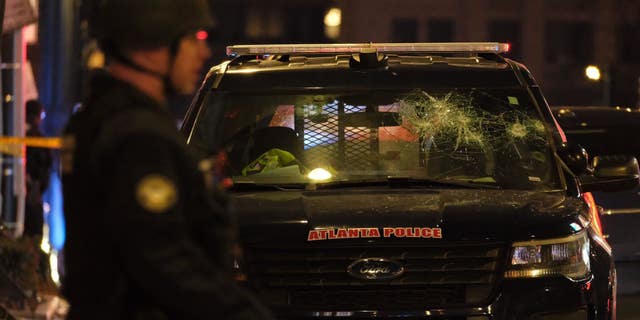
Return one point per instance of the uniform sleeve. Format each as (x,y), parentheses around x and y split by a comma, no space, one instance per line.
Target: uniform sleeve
(153,240)
(39,161)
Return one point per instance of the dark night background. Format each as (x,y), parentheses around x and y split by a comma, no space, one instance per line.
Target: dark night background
(555,39)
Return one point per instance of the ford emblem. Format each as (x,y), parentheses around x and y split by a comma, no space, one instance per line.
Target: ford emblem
(375,269)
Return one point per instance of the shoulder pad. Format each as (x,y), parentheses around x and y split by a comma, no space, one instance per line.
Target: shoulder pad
(136,122)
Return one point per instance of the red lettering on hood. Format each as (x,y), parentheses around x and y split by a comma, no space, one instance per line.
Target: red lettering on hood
(387,232)
(313,235)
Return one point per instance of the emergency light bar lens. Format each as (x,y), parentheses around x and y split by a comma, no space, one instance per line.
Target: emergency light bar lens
(446,47)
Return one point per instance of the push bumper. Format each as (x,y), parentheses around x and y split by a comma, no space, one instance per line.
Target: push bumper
(529,299)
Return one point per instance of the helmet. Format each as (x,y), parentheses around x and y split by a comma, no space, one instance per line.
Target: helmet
(146,24)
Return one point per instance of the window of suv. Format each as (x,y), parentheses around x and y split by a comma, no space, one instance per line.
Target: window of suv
(485,136)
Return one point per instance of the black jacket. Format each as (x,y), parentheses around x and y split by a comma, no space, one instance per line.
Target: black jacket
(39,161)
(138,250)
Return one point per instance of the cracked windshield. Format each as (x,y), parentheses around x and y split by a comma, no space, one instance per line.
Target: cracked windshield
(481,137)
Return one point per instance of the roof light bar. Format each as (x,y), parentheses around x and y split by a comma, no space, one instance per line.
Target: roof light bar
(292,49)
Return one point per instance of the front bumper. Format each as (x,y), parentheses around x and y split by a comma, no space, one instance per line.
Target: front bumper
(526,299)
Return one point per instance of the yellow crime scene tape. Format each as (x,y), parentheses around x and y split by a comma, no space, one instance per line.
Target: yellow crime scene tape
(13,145)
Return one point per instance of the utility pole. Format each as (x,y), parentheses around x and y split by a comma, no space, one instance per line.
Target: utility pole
(603,77)
(2,195)
(606,85)
(59,34)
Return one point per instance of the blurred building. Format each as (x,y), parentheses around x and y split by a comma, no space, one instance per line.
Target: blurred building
(555,39)
(275,21)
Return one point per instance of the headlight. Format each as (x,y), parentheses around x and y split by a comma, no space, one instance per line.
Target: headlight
(567,257)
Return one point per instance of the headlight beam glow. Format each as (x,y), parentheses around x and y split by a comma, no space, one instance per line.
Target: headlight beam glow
(319,174)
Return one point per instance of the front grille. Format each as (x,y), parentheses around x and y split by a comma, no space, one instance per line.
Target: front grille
(314,277)
(385,298)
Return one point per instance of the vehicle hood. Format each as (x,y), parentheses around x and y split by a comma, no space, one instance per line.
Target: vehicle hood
(461,215)
(590,117)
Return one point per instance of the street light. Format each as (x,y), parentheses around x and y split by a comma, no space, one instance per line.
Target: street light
(333,18)
(592,72)
(332,22)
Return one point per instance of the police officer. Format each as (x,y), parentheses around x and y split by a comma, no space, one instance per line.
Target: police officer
(144,239)
(39,161)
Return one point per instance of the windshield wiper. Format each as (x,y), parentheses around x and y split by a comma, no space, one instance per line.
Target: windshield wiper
(391,181)
(410,181)
(400,182)
(254,186)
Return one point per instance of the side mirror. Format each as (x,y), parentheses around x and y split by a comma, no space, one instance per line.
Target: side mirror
(612,173)
(576,158)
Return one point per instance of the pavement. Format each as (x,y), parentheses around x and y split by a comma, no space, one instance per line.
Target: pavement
(629,307)
(628,290)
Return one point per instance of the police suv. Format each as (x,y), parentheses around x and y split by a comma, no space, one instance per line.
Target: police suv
(405,180)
